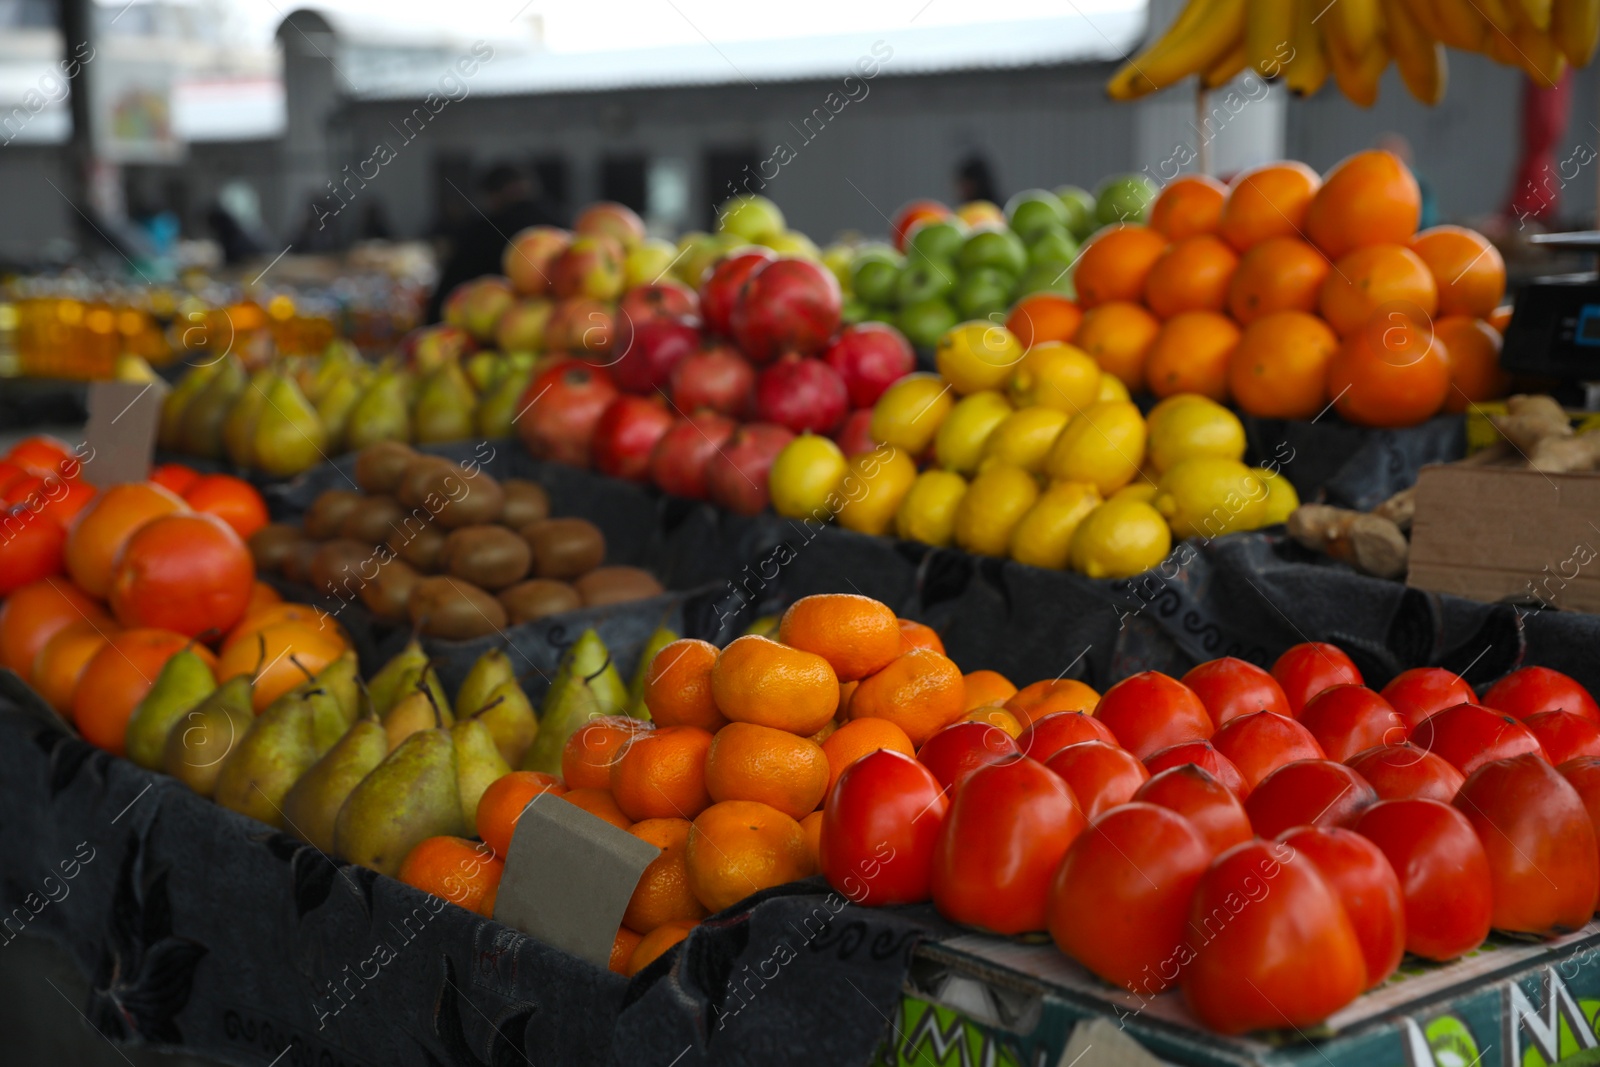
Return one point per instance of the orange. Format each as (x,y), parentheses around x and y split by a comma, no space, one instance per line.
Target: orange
(262,596)
(1280,368)
(503,803)
(1469,271)
(1279,274)
(1500,318)
(118,677)
(855,634)
(758,680)
(846,691)
(1115,262)
(1034,702)
(663,774)
(1267,202)
(1389,374)
(278,659)
(741,847)
(463,872)
(987,687)
(921,692)
(1190,355)
(750,762)
(1473,349)
(1041,317)
(35,613)
(997,717)
(102,528)
(677,686)
(1188,206)
(303,615)
(1117,335)
(1369,198)
(833,724)
(1192,275)
(233,500)
(654,945)
(64,501)
(174,477)
(914,634)
(599,803)
(60,663)
(663,894)
(45,456)
(1373,278)
(592,748)
(811,826)
(189,573)
(858,737)
(622,949)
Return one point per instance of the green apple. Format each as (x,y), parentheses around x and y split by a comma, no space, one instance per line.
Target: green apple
(853,311)
(1124,199)
(1033,211)
(1054,277)
(984,292)
(1000,249)
(1052,246)
(925,280)
(792,243)
(750,217)
(874,272)
(937,241)
(647,261)
(925,322)
(1079,206)
(837,257)
(692,267)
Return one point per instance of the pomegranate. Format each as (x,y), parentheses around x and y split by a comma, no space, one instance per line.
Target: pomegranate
(658,300)
(737,474)
(802,394)
(678,464)
(715,377)
(647,350)
(627,433)
(580,326)
(719,290)
(854,436)
(870,357)
(560,410)
(788,305)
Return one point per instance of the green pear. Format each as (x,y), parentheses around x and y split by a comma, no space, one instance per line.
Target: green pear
(184,682)
(417,710)
(382,413)
(510,717)
(336,403)
(312,805)
(169,437)
(502,403)
(409,797)
(484,369)
(288,438)
(478,765)
(342,680)
(444,406)
(569,704)
(199,742)
(328,721)
(396,677)
(239,428)
(279,747)
(658,640)
(486,674)
(204,415)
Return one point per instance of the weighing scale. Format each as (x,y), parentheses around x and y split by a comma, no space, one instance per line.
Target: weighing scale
(1555,326)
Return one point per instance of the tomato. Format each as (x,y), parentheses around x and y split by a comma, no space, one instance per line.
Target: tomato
(1051,733)
(1261,743)
(44,456)
(1101,775)
(63,500)
(30,549)
(27,489)
(879,827)
(1345,719)
(1272,944)
(1531,690)
(1443,872)
(1406,772)
(1202,754)
(1421,691)
(1310,792)
(1230,687)
(1467,736)
(1150,711)
(1306,670)
(1356,870)
(1148,860)
(1000,846)
(1564,735)
(1583,775)
(1541,845)
(174,476)
(1211,806)
(962,747)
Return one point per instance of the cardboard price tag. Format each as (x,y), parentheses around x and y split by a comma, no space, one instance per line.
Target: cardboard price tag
(568,878)
(123,420)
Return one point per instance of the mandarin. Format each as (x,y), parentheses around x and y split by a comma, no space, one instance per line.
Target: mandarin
(740,847)
(1044,316)
(1117,335)
(280,614)
(750,762)
(174,477)
(914,634)
(1190,355)
(1188,206)
(61,662)
(278,659)
(1279,274)
(36,612)
(662,774)
(622,947)
(663,894)
(262,596)
(1279,370)
(987,687)
(855,634)
(599,803)
(503,803)
(921,692)
(1468,270)
(677,685)
(118,677)
(1033,702)
(1267,202)
(1370,198)
(759,680)
(452,868)
(1367,279)
(1473,349)
(1115,262)
(102,528)
(1192,275)
(592,748)
(811,826)
(858,737)
(233,500)
(1389,374)
(997,716)
(654,945)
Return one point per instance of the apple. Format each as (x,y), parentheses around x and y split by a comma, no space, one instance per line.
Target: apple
(717,378)
(1124,199)
(453,310)
(997,248)
(704,255)
(873,274)
(560,409)
(1053,246)
(720,289)
(977,213)
(646,352)
(606,218)
(522,328)
(924,323)
(678,463)
(649,261)
(737,475)
(788,305)
(984,292)
(854,435)
(869,358)
(527,259)
(626,434)
(580,325)
(591,266)
(802,394)
(938,240)
(486,299)
(911,214)
(750,217)
(1047,277)
(839,257)
(924,279)
(434,346)
(790,243)
(667,298)
(1034,211)
(1080,207)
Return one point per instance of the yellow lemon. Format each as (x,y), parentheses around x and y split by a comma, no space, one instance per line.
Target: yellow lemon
(1207,497)
(1024,438)
(1140,489)
(928,512)
(1199,428)
(1104,447)
(1057,376)
(1044,536)
(1281,497)
(1119,539)
(874,484)
(1111,388)
(805,477)
(994,503)
(959,444)
(909,412)
(1176,400)
(977,355)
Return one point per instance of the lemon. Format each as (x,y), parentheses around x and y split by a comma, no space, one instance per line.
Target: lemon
(1111,388)
(1281,497)
(1044,536)
(1176,400)
(874,484)
(977,355)
(805,477)
(1104,447)
(1024,438)
(959,443)
(909,412)
(1057,376)
(994,503)
(1119,539)
(928,512)
(1201,427)
(1208,496)
(1140,489)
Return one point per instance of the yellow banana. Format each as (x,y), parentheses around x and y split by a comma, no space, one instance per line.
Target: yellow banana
(1575,26)
(1307,68)
(1358,81)
(1537,54)
(1535,13)
(1352,25)
(1462,25)
(1267,28)
(1423,15)
(1420,58)
(1202,34)
(1229,67)
(1500,14)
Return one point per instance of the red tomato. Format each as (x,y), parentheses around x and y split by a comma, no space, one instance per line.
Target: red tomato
(1443,872)
(1346,719)
(1273,945)
(1000,846)
(1583,775)
(1306,670)
(879,827)
(1150,711)
(1261,743)
(9,472)
(1421,691)
(1531,690)
(1202,754)
(1054,732)
(1230,687)
(1366,885)
(1406,772)
(1308,792)
(1541,845)
(1148,860)
(1564,735)
(1101,775)
(30,549)
(64,499)
(1211,806)
(25,489)
(1467,736)
(44,456)
(962,747)
(174,476)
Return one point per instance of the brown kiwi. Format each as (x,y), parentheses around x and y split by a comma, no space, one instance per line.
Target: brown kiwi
(455,610)
(473,501)
(565,548)
(424,476)
(373,522)
(525,502)
(296,565)
(419,547)
(489,556)
(326,516)
(538,597)
(616,585)
(272,544)
(379,466)
(340,566)
(387,595)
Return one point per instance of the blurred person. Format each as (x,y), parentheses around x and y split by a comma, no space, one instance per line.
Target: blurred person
(975,180)
(509,200)
(234,219)
(314,233)
(1397,145)
(375,224)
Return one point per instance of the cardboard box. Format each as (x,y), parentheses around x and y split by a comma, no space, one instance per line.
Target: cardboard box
(1502,533)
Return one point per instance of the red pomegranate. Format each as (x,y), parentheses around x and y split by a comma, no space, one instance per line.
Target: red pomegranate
(626,435)
(870,357)
(789,305)
(715,377)
(737,473)
(719,289)
(678,464)
(855,435)
(648,349)
(579,325)
(658,300)
(560,410)
(802,394)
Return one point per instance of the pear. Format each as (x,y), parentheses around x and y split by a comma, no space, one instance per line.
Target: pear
(409,797)
(312,805)
(288,437)
(386,687)
(279,747)
(658,640)
(336,403)
(502,403)
(417,710)
(478,765)
(382,413)
(328,720)
(199,742)
(444,406)
(204,415)
(568,705)
(342,680)
(169,437)
(185,681)
(509,715)
(239,428)
(486,673)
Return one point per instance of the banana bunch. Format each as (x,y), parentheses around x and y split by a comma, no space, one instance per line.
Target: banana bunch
(1304,41)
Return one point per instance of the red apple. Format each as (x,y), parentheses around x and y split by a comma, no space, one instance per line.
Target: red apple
(560,410)
(719,289)
(914,212)
(737,474)
(591,266)
(433,346)
(715,377)
(658,300)
(678,464)
(486,299)
(789,305)
(854,435)
(870,357)
(802,394)
(646,352)
(626,435)
(527,259)
(521,328)
(580,326)
(610,219)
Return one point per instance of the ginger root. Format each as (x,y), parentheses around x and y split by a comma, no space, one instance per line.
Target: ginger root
(1530,420)
(1560,455)
(1400,508)
(1370,543)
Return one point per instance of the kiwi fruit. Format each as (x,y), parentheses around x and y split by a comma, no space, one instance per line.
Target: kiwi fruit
(296,566)
(454,610)
(272,544)
(325,518)
(489,556)
(425,476)
(340,566)
(616,585)
(419,547)
(565,548)
(387,595)
(373,522)
(379,466)
(538,597)
(478,499)
(525,502)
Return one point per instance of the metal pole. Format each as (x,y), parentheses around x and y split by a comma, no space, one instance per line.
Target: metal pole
(77,30)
